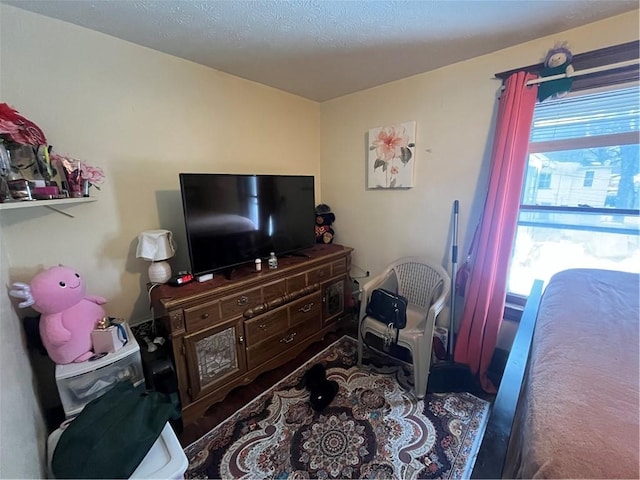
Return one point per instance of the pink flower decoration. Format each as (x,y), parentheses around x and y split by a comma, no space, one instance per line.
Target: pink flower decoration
(77,169)
(389,143)
(95,175)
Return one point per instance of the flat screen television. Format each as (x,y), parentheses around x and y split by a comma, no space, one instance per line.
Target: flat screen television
(234,219)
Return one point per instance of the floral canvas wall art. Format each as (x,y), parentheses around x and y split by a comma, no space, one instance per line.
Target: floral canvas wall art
(391,156)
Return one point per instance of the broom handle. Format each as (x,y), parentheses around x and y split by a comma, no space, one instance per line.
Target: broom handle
(454,272)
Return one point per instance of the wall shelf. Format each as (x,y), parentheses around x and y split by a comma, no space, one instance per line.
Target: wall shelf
(51,204)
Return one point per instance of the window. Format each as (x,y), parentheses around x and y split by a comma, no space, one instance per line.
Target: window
(544,180)
(580,201)
(588,178)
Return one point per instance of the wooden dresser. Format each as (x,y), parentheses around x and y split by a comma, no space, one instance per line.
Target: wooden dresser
(227,331)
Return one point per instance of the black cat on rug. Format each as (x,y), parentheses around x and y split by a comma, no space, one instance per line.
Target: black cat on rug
(321,391)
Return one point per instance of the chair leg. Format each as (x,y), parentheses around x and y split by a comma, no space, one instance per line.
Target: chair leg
(420,371)
(359,349)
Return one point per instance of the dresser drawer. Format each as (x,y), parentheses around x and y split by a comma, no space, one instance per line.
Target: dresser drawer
(274,290)
(306,309)
(339,267)
(274,346)
(296,283)
(265,326)
(319,274)
(202,316)
(236,304)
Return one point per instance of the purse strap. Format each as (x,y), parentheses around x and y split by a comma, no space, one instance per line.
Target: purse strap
(388,335)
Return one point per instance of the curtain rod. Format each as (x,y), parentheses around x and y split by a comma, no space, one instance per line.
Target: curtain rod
(587,71)
(601,56)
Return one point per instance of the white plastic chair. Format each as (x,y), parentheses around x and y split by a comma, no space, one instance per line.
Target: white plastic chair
(426,286)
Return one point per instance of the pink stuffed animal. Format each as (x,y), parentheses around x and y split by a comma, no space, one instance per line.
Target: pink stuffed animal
(68,314)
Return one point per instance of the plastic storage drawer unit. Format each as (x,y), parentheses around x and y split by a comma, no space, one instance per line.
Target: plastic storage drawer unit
(79,383)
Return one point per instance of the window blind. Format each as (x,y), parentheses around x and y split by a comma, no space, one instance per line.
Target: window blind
(603,113)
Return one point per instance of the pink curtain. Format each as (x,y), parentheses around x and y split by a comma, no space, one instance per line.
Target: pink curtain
(485,294)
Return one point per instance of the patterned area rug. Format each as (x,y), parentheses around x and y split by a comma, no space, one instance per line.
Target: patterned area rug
(374,428)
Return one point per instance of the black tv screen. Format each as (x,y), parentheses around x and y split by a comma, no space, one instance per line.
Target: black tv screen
(234,219)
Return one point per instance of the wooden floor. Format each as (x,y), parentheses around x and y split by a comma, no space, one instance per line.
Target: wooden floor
(240,396)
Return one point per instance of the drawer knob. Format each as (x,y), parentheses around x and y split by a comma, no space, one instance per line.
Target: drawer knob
(262,326)
(240,339)
(288,338)
(306,308)
(204,315)
(243,300)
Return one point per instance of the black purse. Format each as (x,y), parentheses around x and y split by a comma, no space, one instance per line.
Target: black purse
(390,309)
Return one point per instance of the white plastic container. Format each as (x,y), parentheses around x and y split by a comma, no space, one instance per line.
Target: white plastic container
(165,459)
(79,383)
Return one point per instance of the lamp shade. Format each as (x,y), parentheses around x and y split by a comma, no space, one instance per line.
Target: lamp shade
(155,245)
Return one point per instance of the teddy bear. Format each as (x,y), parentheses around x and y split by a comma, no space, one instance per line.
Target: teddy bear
(324,220)
(321,391)
(557,61)
(68,314)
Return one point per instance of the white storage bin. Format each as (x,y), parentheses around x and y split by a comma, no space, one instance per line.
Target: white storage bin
(79,383)
(165,459)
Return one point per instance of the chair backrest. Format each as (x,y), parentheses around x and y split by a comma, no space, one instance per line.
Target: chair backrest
(420,280)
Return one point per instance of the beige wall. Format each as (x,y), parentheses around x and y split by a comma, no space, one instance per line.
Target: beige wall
(144,116)
(454,108)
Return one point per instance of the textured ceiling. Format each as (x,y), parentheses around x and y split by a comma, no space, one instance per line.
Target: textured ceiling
(324,49)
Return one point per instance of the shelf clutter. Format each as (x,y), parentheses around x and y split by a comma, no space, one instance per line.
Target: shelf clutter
(31,170)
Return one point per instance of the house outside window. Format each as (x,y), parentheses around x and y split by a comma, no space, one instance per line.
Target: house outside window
(580,202)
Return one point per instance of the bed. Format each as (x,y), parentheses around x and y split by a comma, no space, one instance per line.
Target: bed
(568,403)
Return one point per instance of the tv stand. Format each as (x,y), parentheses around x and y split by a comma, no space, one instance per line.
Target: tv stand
(301,253)
(225,332)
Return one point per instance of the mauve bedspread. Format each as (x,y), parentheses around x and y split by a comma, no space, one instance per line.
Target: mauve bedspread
(578,413)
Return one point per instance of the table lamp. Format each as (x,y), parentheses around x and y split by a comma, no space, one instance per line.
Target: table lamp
(156,246)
